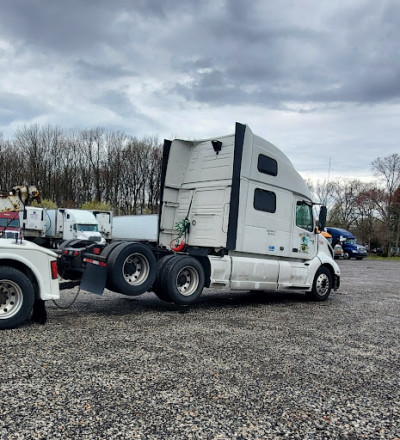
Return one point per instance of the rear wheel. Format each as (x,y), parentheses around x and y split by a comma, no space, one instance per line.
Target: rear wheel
(16,297)
(183,279)
(158,287)
(131,268)
(322,285)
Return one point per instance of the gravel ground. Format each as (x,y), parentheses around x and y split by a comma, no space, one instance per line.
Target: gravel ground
(234,366)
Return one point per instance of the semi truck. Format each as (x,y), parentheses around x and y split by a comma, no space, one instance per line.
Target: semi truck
(348,242)
(67,224)
(234,214)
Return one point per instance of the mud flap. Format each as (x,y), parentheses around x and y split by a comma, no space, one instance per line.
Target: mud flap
(94,279)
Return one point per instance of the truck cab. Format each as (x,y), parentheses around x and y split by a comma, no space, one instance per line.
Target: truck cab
(71,224)
(9,222)
(348,242)
(237,202)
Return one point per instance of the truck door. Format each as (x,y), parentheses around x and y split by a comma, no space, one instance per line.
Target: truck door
(304,242)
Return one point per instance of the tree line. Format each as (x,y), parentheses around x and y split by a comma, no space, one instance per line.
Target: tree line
(371,210)
(123,173)
(92,165)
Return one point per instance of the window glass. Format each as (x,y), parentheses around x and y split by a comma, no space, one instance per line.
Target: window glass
(304,218)
(264,200)
(6,222)
(267,165)
(90,228)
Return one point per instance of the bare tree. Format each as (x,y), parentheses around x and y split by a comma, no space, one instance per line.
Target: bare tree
(387,170)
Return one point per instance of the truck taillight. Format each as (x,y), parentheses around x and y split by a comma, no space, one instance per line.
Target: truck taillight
(53,267)
(97,250)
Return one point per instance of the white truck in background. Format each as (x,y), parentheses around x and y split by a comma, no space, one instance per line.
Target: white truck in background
(234,214)
(69,224)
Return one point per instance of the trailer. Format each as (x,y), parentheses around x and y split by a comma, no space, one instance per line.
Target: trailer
(234,214)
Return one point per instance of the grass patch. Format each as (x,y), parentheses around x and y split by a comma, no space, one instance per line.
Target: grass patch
(377,257)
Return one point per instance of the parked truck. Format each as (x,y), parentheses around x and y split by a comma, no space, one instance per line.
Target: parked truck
(234,214)
(9,221)
(59,225)
(28,276)
(348,242)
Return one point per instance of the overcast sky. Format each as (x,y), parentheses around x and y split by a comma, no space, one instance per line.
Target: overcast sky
(319,79)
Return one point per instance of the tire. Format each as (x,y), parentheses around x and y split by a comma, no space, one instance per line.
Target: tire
(158,286)
(17,297)
(131,269)
(346,256)
(322,285)
(65,244)
(183,279)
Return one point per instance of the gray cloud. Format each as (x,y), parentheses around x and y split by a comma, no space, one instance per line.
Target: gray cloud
(14,106)
(159,65)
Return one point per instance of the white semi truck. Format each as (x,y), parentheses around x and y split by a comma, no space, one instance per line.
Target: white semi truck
(68,224)
(234,214)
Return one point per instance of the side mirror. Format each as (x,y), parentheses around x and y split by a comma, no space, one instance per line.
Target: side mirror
(322,218)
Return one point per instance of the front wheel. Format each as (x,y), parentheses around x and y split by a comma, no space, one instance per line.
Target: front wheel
(322,285)
(16,297)
(183,279)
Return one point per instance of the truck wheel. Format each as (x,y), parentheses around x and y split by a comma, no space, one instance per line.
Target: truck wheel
(131,268)
(183,279)
(16,297)
(346,256)
(322,285)
(159,287)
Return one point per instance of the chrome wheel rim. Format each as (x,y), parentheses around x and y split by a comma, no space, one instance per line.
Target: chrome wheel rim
(11,299)
(322,284)
(187,281)
(136,269)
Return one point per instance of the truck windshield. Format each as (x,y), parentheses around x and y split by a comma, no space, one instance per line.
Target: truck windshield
(87,228)
(5,222)
(350,241)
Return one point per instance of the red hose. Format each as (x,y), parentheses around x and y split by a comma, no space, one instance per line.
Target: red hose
(179,247)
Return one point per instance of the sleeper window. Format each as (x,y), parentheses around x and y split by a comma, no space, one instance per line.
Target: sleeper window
(264,200)
(267,165)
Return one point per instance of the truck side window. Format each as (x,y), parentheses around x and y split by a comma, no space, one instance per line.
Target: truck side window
(304,218)
(267,165)
(264,200)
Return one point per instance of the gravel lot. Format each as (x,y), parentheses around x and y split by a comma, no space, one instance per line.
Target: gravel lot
(234,366)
